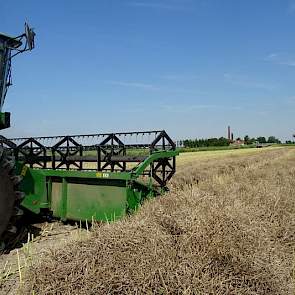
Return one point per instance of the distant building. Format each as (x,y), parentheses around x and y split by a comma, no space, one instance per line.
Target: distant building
(238,142)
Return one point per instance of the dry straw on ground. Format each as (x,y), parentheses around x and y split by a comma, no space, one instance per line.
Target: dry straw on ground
(226,227)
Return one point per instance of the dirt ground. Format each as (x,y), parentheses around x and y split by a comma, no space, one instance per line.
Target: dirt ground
(51,236)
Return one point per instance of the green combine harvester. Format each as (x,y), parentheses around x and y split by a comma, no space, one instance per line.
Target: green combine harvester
(92,177)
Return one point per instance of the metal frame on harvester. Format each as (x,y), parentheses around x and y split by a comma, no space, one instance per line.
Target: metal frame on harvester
(94,176)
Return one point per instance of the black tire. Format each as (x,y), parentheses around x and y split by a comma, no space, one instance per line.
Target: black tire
(9,199)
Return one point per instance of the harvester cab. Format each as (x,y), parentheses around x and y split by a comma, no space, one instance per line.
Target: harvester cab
(84,178)
(10,47)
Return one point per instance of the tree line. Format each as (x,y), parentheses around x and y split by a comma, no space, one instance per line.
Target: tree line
(222,141)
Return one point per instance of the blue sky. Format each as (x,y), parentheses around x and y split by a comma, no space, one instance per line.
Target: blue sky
(191,67)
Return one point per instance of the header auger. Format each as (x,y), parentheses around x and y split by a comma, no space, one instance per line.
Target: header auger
(90,177)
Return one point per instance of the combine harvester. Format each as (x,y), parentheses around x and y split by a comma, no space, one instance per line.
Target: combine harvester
(99,177)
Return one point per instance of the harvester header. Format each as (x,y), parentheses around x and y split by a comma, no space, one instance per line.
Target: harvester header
(93,176)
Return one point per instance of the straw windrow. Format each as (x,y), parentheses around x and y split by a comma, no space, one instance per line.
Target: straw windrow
(227,227)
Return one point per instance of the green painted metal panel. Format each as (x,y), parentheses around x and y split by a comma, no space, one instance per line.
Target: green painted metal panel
(32,202)
(98,202)
(55,198)
(35,187)
(84,174)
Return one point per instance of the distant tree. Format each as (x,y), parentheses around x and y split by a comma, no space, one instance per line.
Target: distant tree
(261,139)
(189,143)
(273,139)
(253,140)
(247,139)
(222,141)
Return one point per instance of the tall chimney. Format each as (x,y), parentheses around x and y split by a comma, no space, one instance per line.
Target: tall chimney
(228,133)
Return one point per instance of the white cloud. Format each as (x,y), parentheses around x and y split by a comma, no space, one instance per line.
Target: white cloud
(291,7)
(189,108)
(281,59)
(244,81)
(161,4)
(179,77)
(162,88)
(271,56)
(290,63)
(133,84)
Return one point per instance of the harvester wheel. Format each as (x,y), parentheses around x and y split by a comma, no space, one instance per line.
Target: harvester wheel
(10,198)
